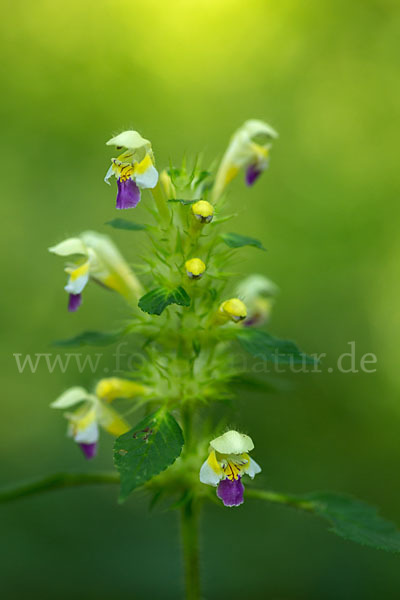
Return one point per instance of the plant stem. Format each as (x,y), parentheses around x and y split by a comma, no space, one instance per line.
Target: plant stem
(187,418)
(280,499)
(190,543)
(161,203)
(54,482)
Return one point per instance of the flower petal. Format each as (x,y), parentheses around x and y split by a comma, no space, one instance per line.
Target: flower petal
(74,302)
(89,435)
(253,468)
(208,475)
(78,278)
(109,174)
(148,179)
(231,492)
(108,266)
(110,388)
(71,397)
(232,442)
(128,194)
(110,420)
(68,247)
(89,450)
(129,139)
(253,172)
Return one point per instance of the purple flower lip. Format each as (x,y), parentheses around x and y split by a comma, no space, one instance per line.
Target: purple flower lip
(89,450)
(254,320)
(231,492)
(128,194)
(252,174)
(75,300)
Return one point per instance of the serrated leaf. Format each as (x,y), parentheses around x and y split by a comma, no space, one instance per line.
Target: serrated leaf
(91,338)
(349,518)
(157,300)
(355,520)
(235,240)
(263,345)
(126,224)
(146,450)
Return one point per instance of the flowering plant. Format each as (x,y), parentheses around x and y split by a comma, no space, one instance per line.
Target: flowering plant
(187,312)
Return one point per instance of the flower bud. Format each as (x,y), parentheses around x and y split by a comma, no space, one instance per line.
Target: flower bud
(167,184)
(203,211)
(195,268)
(111,388)
(233,309)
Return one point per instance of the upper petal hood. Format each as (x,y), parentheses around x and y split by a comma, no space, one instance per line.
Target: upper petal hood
(232,442)
(132,140)
(68,247)
(71,397)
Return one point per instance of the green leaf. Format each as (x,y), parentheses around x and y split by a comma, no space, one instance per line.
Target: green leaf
(155,301)
(263,345)
(127,225)
(349,518)
(182,201)
(91,338)
(146,450)
(235,240)
(356,521)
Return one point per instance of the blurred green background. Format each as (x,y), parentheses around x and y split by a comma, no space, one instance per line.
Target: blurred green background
(186,73)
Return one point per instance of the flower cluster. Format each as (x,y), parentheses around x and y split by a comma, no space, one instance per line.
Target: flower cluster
(179,305)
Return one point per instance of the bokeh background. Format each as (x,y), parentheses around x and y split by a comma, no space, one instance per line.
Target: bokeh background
(186,73)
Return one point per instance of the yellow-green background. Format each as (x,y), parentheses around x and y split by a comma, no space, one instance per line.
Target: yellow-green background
(325,74)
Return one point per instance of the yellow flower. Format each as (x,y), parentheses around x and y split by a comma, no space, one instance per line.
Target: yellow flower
(101,261)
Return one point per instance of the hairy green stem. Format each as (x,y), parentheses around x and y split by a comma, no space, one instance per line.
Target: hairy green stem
(187,422)
(190,546)
(280,499)
(55,482)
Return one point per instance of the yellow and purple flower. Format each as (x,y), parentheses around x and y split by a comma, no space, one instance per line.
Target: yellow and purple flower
(258,292)
(134,169)
(248,149)
(101,261)
(227,463)
(92,411)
